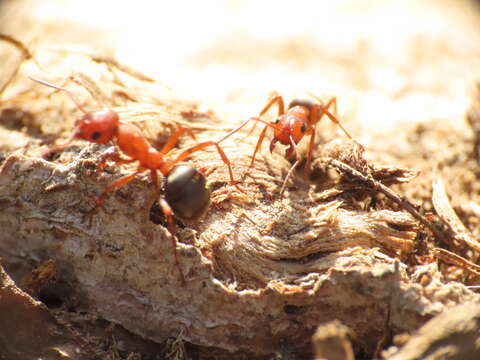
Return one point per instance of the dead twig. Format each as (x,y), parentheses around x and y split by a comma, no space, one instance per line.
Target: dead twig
(457,260)
(89,84)
(109,60)
(445,212)
(18,44)
(297,161)
(26,55)
(390,194)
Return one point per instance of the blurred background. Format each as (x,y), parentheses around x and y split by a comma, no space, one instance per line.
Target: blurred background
(386,61)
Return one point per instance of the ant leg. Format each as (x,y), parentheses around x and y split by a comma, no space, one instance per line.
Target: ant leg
(261,137)
(118,184)
(154,179)
(168,212)
(274,99)
(114,156)
(172,140)
(334,104)
(47,154)
(314,114)
(233,131)
(259,144)
(310,150)
(336,121)
(324,111)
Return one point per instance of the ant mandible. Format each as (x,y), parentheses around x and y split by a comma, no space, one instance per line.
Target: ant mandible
(186,192)
(300,119)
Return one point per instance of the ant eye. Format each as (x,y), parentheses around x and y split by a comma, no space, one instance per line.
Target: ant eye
(303,128)
(96,135)
(276,121)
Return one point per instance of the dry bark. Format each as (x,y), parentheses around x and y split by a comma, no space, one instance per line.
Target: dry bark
(29,331)
(452,335)
(262,272)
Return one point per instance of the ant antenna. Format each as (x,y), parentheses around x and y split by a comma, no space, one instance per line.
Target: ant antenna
(73,97)
(233,131)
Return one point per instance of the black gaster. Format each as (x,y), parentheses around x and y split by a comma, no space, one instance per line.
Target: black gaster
(186,192)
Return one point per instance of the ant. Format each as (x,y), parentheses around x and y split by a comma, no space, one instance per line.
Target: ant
(186,193)
(300,119)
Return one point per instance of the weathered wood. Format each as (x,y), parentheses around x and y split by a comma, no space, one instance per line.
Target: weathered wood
(452,335)
(262,271)
(29,331)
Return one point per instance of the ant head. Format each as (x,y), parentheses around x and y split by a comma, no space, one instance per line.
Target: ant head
(289,128)
(98,126)
(186,192)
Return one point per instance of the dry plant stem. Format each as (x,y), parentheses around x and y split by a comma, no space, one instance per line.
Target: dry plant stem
(89,84)
(297,161)
(454,259)
(9,80)
(378,186)
(445,212)
(18,44)
(26,54)
(109,60)
(132,113)
(289,174)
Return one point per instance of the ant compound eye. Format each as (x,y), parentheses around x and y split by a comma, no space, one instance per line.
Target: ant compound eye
(96,135)
(186,192)
(276,121)
(303,128)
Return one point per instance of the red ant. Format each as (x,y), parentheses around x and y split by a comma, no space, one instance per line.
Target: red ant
(186,192)
(300,119)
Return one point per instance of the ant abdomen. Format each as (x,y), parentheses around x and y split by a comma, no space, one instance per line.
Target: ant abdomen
(301,102)
(187,192)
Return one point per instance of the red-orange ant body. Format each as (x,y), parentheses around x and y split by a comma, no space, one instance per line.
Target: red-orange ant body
(300,120)
(186,192)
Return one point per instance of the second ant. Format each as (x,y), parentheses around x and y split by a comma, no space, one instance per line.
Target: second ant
(298,120)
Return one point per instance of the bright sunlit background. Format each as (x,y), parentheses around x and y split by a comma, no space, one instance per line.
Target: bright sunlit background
(386,61)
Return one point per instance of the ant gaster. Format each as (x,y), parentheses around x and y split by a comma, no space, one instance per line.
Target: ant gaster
(186,192)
